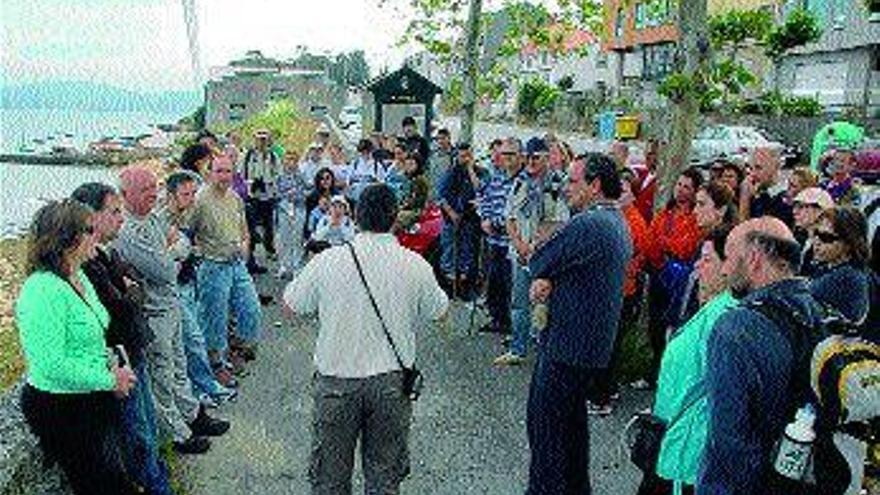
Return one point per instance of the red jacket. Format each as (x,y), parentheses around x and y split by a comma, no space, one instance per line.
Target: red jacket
(674,233)
(638,232)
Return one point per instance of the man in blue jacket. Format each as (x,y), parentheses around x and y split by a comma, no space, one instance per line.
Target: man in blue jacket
(579,272)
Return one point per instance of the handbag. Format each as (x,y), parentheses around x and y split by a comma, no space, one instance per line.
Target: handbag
(645,433)
(412,377)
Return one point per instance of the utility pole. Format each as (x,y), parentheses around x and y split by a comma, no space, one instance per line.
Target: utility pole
(470,74)
(693,55)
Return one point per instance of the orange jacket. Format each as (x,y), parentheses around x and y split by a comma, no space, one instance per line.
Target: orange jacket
(638,232)
(674,233)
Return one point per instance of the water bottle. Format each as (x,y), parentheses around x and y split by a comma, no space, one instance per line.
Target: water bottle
(794,451)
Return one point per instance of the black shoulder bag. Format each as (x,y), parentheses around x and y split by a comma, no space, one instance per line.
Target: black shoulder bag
(412,377)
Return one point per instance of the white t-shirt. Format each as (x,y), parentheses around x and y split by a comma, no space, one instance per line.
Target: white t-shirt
(351,342)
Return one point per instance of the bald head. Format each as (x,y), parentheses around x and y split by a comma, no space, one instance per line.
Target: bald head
(759,252)
(765,166)
(139,187)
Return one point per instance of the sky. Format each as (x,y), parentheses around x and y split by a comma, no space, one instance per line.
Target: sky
(142,44)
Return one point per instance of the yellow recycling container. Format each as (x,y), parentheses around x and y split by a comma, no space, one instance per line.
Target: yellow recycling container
(627,127)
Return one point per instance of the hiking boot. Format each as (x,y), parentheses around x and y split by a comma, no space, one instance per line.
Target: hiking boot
(207,426)
(248,353)
(192,445)
(509,359)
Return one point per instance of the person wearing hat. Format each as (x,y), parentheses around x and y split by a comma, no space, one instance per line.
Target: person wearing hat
(807,206)
(261,169)
(534,211)
(335,228)
(579,274)
(841,185)
(313,162)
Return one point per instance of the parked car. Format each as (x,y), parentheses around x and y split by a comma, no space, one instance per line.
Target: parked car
(730,142)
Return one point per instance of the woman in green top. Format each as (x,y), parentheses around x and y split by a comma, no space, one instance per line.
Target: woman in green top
(681,397)
(70,398)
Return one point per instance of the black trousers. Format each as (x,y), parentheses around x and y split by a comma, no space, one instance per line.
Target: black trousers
(655,485)
(80,433)
(498,278)
(558,432)
(603,379)
(261,213)
(658,322)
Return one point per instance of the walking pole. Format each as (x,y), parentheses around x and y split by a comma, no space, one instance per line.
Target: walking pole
(455,247)
(483,284)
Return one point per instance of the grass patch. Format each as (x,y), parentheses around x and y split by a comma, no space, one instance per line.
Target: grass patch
(12,263)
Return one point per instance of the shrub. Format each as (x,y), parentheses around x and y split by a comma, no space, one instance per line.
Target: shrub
(536,98)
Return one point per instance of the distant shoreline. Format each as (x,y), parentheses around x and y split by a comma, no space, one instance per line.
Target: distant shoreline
(82,160)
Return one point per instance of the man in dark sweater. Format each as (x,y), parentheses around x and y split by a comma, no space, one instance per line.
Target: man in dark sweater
(763,192)
(117,288)
(579,272)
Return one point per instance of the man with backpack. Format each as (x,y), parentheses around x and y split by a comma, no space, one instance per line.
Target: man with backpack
(759,368)
(261,169)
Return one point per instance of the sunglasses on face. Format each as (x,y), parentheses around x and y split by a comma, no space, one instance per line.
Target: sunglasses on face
(826,237)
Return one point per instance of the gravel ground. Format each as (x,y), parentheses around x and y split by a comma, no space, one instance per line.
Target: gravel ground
(468,434)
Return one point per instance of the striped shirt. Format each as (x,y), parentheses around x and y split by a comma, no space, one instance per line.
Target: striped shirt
(492,202)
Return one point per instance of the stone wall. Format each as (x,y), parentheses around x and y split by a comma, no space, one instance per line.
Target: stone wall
(21,461)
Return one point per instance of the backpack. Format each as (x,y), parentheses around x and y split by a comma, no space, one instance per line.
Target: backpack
(838,371)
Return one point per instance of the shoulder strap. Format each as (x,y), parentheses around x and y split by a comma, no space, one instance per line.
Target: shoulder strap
(360,270)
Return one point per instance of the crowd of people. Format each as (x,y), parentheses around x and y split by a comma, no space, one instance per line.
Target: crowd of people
(140,311)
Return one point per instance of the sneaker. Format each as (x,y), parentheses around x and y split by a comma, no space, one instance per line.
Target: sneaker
(597,410)
(208,402)
(640,384)
(224,395)
(207,426)
(192,445)
(508,359)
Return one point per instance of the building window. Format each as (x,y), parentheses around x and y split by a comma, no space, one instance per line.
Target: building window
(640,15)
(618,23)
(601,60)
(236,111)
(657,61)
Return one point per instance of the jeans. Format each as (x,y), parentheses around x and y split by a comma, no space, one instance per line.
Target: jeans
(498,274)
(225,287)
(141,452)
(464,264)
(520,310)
(558,432)
(198,366)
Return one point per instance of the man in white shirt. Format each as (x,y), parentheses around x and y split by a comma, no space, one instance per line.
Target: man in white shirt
(358,389)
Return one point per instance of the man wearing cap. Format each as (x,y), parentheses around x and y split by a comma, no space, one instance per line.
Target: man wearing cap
(310,166)
(415,141)
(579,273)
(534,212)
(807,206)
(261,169)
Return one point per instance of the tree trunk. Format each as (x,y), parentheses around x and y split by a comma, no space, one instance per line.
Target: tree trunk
(470,74)
(693,48)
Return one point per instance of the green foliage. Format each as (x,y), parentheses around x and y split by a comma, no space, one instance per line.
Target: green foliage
(800,27)
(776,104)
(453,96)
(565,83)
(735,27)
(284,120)
(536,98)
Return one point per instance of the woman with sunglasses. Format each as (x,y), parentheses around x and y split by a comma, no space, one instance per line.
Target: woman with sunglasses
(808,205)
(840,244)
(71,398)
